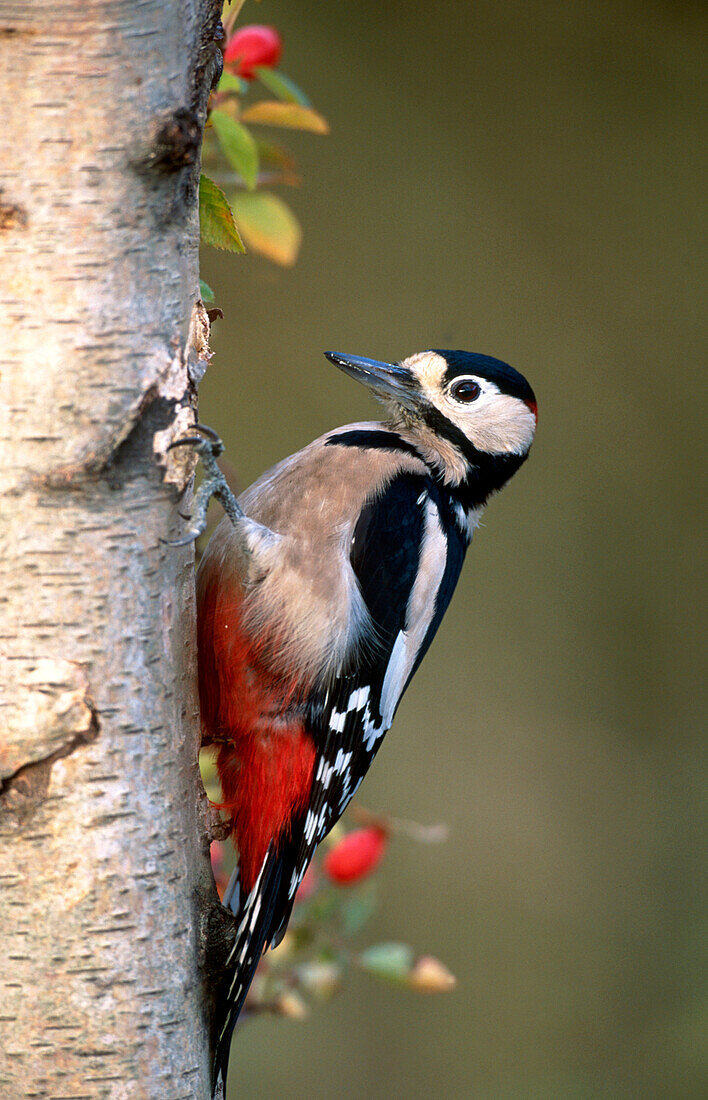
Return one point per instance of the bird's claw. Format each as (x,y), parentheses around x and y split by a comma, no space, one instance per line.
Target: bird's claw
(207,442)
(184,541)
(208,445)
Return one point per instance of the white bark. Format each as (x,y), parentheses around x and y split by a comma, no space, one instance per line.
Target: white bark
(102,843)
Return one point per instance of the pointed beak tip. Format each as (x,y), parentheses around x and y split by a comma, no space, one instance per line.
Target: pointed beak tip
(385,380)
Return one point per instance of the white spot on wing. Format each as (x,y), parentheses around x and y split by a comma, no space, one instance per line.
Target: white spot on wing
(347,795)
(310,824)
(256,910)
(336,720)
(358,699)
(342,761)
(322,822)
(324,774)
(250,901)
(373,733)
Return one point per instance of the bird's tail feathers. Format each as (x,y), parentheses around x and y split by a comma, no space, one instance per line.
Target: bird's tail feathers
(255,916)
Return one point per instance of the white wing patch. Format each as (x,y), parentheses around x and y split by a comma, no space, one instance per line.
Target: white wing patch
(357,701)
(419,614)
(343,760)
(315,824)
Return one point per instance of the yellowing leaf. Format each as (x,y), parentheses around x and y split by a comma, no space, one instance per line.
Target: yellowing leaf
(216,220)
(238,145)
(230,14)
(268,226)
(293,116)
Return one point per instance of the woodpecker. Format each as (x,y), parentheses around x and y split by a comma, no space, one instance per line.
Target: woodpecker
(318,596)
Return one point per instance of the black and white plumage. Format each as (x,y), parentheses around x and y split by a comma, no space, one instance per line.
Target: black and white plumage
(319,595)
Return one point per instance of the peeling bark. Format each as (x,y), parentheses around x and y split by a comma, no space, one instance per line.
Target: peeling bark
(103,847)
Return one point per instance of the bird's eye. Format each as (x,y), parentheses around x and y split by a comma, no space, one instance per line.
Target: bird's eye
(465,390)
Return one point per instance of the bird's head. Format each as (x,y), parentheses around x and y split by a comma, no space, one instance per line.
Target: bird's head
(462,407)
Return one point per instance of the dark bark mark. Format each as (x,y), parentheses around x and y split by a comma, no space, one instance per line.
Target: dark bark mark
(217,933)
(154,413)
(12,216)
(22,793)
(177,142)
(15,32)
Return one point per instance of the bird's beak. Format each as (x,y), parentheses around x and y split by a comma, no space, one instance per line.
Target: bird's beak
(386,380)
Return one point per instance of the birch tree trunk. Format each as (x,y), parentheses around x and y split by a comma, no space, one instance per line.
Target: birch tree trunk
(103,852)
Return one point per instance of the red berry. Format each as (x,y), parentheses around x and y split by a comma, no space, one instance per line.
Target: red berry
(252,46)
(356,855)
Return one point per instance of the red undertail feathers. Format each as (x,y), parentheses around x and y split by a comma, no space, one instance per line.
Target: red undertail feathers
(265,757)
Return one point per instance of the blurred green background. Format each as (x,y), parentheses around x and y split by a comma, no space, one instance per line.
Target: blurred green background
(520,179)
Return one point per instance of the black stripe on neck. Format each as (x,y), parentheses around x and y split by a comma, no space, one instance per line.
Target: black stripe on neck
(486,473)
(375,439)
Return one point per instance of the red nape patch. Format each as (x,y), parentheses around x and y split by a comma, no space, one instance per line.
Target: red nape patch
(534,408)
(266,758)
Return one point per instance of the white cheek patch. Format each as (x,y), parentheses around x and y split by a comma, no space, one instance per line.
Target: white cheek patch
(496,422)
(508,426)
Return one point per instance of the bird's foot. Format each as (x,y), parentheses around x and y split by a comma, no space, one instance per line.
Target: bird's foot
(208,446)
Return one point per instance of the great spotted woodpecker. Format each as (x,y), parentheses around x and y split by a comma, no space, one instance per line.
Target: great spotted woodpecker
(318,596)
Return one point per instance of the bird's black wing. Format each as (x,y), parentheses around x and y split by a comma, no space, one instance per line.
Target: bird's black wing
(406,557)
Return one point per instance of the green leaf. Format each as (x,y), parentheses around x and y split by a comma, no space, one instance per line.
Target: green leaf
(238,145)
(216,220)
(205,292)
(268,226)
(281,85)
(357,909)
(388,960)
(293,116)
(229,82)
